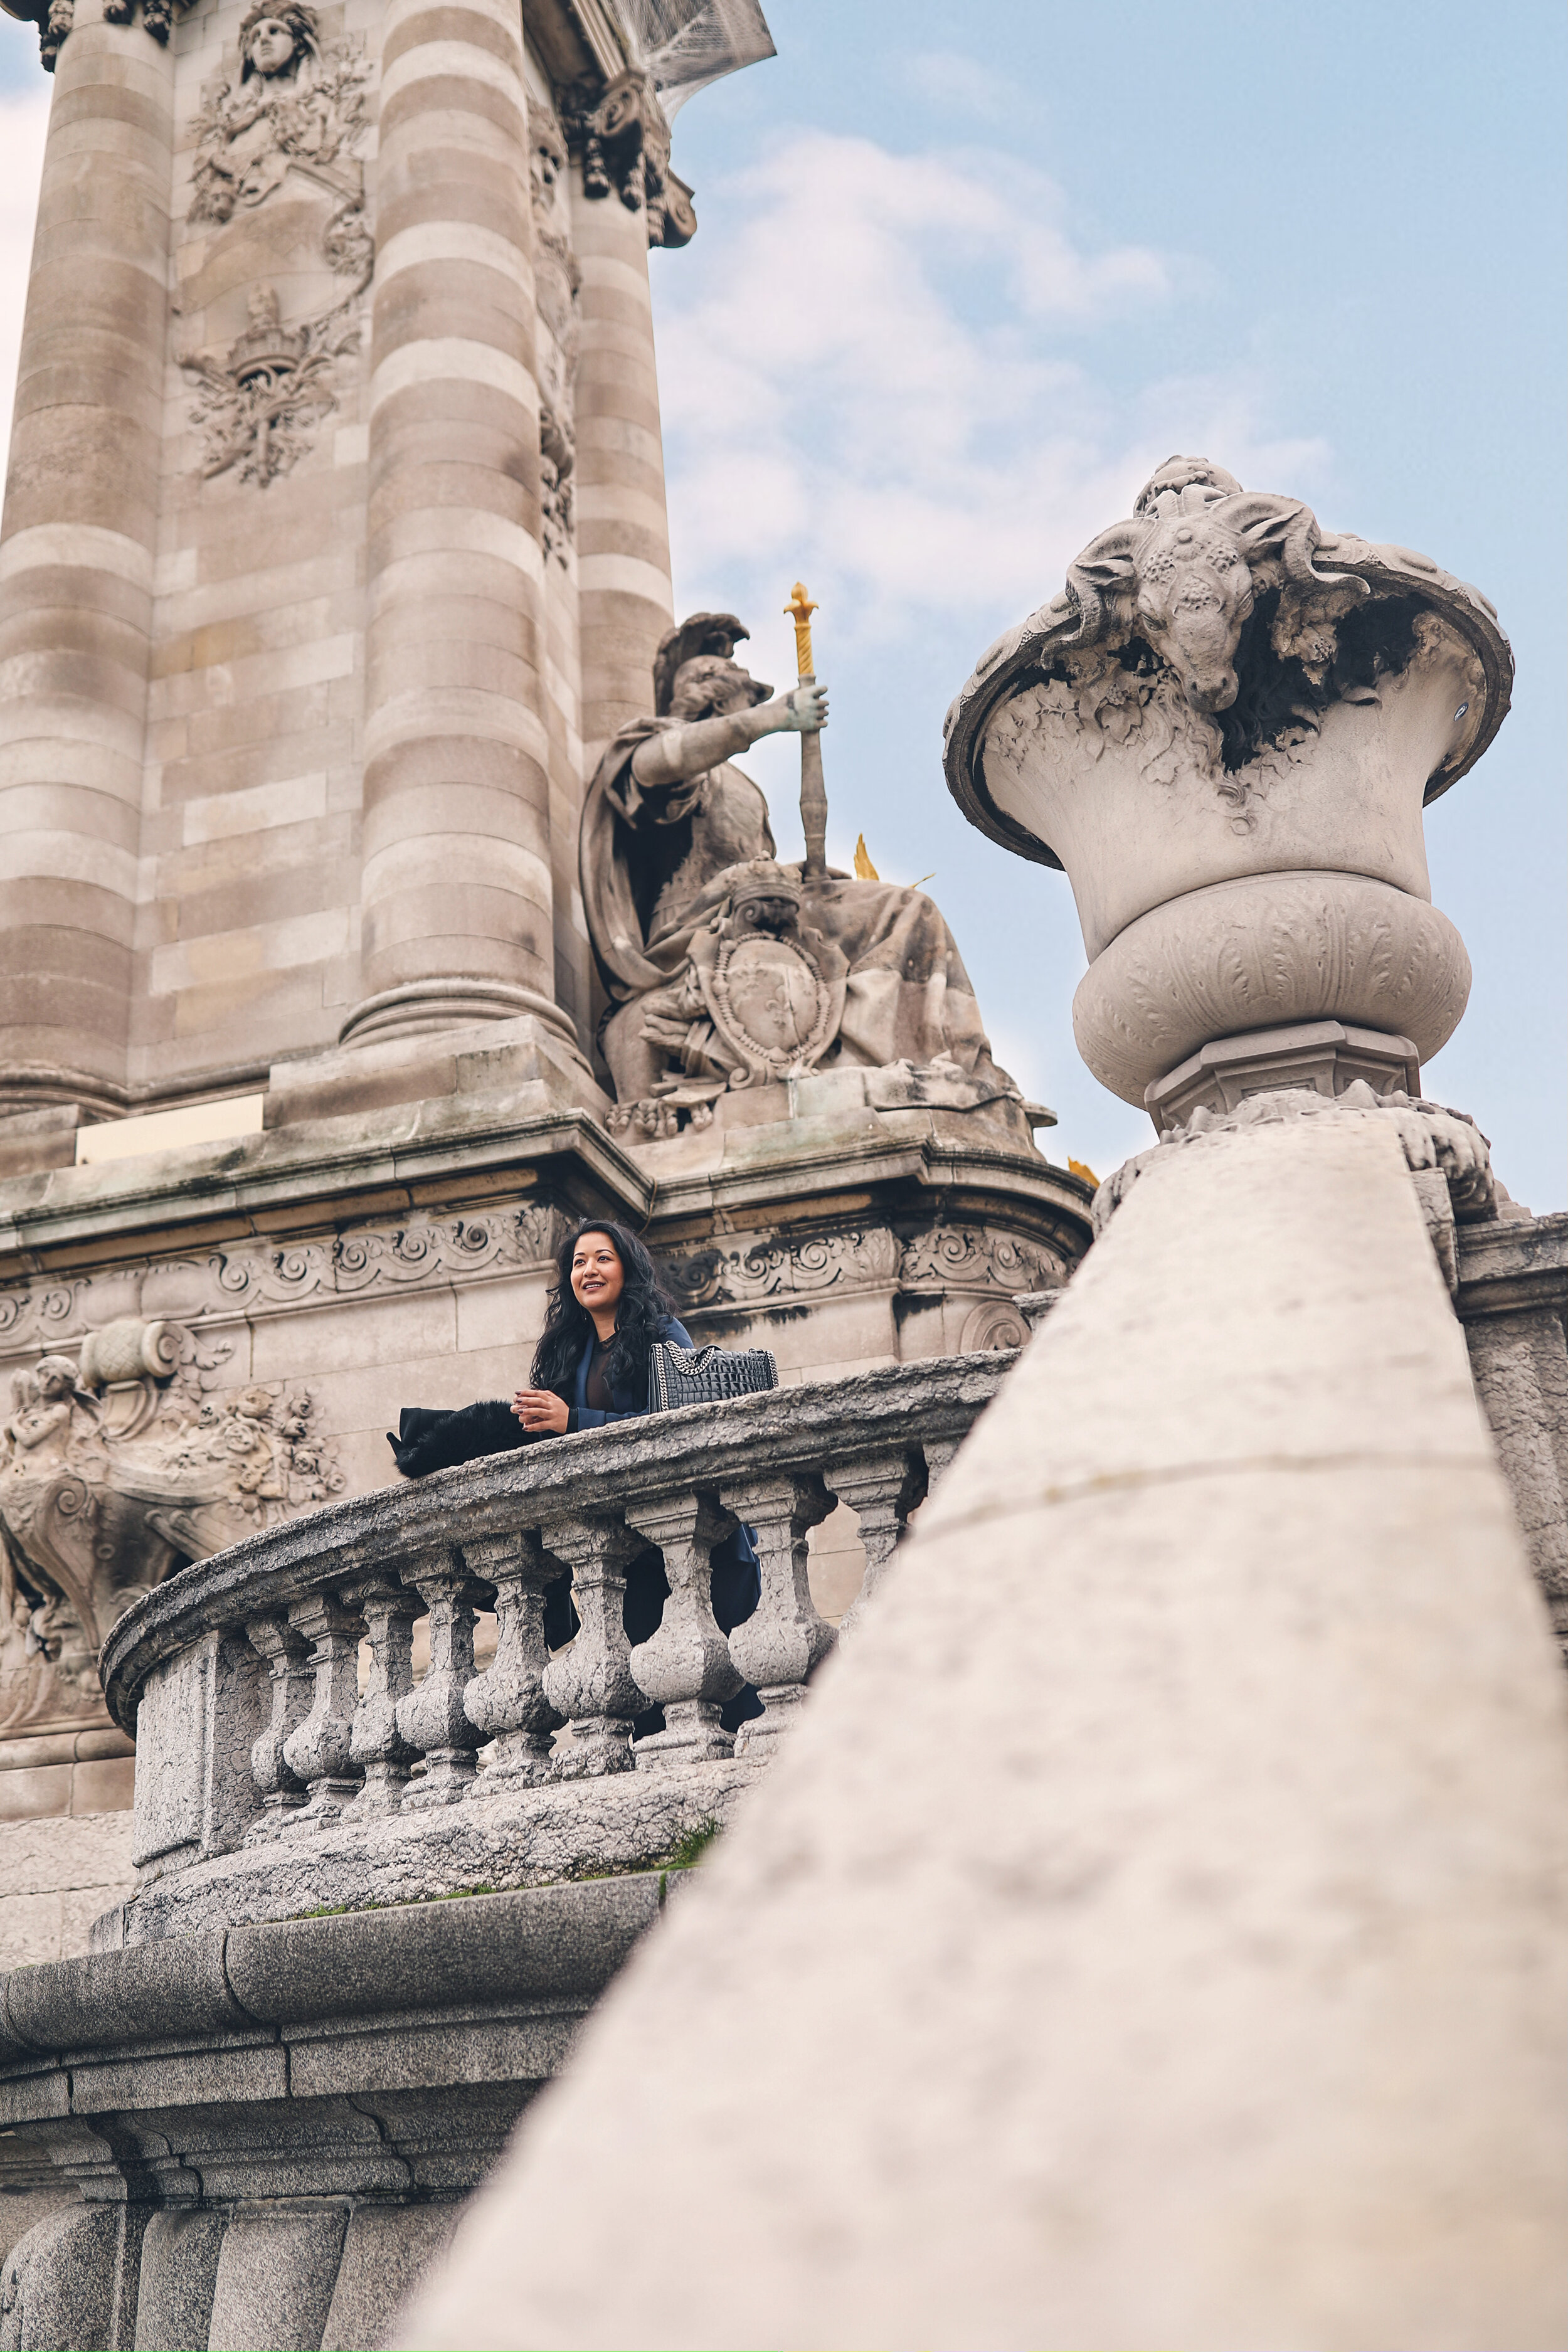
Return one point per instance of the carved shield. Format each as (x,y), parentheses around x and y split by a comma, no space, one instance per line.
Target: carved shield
(773,1005)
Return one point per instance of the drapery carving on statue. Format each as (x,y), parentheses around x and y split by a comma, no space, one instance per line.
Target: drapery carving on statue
(623,137)
(294,119)
(116,1471)
(684,896)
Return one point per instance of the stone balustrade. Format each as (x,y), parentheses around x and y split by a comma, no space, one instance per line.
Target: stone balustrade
(288,1761)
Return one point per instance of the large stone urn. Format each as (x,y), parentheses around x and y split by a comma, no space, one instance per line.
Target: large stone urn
(1225,732)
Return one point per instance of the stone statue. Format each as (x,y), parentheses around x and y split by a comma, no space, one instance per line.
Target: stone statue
(725,969)
(295,105)
(111,1475)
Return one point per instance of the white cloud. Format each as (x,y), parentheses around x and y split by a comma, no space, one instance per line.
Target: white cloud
(944,78)
(24,117)
(870,370)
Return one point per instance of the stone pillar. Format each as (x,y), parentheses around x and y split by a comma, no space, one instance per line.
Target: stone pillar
(77,548)
(456,893)
(625,602)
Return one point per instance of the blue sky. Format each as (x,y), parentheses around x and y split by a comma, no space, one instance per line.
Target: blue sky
(964,276)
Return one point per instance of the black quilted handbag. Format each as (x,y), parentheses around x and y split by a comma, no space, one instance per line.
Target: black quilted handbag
(677,1376)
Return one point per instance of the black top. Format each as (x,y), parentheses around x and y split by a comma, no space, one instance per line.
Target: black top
(597,1392)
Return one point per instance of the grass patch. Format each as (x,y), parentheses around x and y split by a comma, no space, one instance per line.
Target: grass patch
(688,1851)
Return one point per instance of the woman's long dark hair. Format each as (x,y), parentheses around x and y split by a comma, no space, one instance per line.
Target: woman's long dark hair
(643,1306)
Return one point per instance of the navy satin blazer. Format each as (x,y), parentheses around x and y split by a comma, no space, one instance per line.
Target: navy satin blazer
(626,1406)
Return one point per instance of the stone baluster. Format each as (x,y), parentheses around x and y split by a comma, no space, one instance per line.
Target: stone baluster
(431,1719)
(686,1666)
(319,1751)
(939,1452)
(783,1640)
(881,1489)
(507,1703)
(293,1687)
(375,1743)
(591,1684)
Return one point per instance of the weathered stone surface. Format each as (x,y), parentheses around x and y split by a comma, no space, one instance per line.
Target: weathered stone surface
(1204,1981)
(385,2247)
(382,2057)
(1193,732)
(121,1996)
(557,1938)
(179,2250)
(276,2273)
(62,2281)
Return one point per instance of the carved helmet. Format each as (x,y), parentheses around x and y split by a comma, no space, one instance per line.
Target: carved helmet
(705,636)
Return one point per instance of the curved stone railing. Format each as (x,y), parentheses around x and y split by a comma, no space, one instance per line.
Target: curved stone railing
(276,1774)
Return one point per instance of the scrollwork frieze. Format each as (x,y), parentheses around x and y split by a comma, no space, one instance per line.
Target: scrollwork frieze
(254,1277)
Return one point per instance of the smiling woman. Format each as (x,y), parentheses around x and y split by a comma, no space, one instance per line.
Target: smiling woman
(591,1367)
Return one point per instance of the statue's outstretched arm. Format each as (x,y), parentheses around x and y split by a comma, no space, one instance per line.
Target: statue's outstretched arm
(682,753)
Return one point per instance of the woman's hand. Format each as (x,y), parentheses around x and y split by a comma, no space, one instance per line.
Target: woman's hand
(540,1411)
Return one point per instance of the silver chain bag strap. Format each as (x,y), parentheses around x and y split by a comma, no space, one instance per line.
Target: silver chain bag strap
(677,1376)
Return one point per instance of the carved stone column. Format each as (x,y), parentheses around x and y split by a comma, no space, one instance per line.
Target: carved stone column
(784,1639)
(624,599)
(281,1791)
(376,1744)
(456,893)
(320,1752)
(685,1667)
(881,1492)
(77,547)
(507,1703)
(431,1719)
(591,1684)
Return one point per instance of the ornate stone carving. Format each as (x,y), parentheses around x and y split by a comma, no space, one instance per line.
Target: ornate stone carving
(260,403)
(960,1256)
(297,110)
(1448,1157)
(760,997)
(55,19)
(623,138)
(1213,634)
(556,281)
(944,1258)
(296,106)
(726,969)
(1225,730)
(1279,947)
(784,1267)
(250,1278)
(115,1472)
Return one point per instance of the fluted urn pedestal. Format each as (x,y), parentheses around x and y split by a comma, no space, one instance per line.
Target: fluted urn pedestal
(1225,730)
